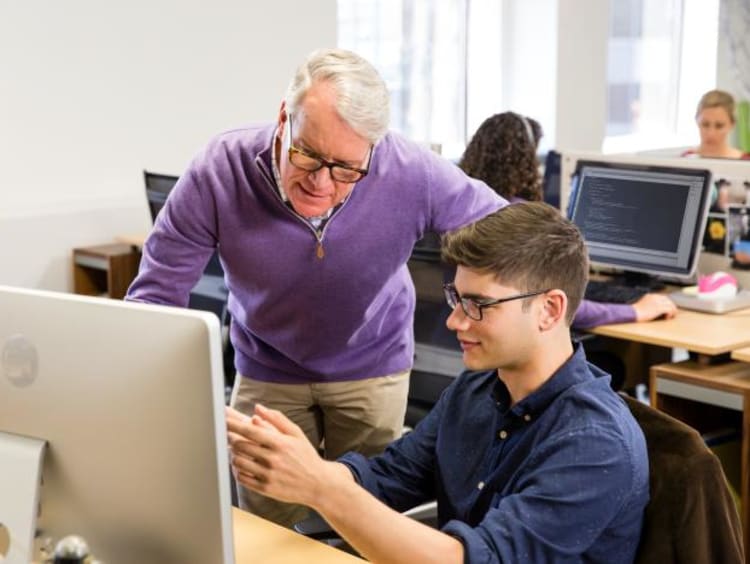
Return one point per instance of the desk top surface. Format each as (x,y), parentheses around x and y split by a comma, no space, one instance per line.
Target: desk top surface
(741,354)
(258,540)
(703,333)
(733,377)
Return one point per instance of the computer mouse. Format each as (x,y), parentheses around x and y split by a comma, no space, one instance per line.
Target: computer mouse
(717,285)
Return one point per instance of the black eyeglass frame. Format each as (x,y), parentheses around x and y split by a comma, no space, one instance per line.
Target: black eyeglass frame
(331,166)
(453,298)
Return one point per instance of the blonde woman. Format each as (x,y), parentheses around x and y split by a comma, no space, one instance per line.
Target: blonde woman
(716,118)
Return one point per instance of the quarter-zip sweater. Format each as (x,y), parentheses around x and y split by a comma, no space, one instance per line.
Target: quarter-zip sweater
(307,305)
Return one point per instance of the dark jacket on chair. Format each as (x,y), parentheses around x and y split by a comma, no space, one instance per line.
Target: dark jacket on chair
(691,517)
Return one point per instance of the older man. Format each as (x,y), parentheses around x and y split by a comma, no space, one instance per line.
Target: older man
(314,217)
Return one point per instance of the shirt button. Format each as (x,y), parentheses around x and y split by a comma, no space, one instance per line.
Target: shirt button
(527,417)
(480,485)
(503,434)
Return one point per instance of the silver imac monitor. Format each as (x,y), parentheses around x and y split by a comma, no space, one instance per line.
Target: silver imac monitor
(127,400)
(641,218)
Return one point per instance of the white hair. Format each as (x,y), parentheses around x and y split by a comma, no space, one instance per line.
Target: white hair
(362,98)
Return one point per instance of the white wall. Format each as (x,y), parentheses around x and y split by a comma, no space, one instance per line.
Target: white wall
(530,63)
(733,72)
(581,113)
(93,92)
(554,68)
(554,65)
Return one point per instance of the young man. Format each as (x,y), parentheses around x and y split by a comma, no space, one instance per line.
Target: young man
(531,456)
(314,217)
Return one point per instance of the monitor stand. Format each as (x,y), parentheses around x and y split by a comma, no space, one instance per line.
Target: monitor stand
(21,462)
(638,280)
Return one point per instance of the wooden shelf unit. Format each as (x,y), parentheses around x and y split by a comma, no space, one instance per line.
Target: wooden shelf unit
(104,270)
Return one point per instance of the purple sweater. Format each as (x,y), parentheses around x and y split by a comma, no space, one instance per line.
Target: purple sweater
(592,314)
(297,318)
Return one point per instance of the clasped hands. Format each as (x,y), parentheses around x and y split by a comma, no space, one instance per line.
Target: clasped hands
(272,456)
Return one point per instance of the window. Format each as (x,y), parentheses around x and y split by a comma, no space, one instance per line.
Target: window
(449,64)
(419,47)
(661,59)
(643,65)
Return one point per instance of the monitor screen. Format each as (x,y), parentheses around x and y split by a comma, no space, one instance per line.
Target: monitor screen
(641,218)
(129,399)
(158,187)
(551,181)
(437,351)
(429,273)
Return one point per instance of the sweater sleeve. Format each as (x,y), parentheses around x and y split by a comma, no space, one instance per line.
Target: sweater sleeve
(178,247)
(455,199)
(592,314)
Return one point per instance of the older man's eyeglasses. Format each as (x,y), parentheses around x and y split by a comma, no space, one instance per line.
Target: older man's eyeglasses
(311,162)
(473,308)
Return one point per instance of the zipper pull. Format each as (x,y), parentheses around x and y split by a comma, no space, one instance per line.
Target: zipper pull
(320,253)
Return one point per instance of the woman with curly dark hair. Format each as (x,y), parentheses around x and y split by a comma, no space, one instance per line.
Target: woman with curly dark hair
(502,153)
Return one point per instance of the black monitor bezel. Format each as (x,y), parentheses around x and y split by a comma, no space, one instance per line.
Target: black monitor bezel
(697,236)
(158,187)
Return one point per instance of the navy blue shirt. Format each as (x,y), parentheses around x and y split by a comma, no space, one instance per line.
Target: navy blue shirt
(562,476)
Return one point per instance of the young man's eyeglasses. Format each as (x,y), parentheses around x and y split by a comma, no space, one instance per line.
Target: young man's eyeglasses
(311,162)
(473,308)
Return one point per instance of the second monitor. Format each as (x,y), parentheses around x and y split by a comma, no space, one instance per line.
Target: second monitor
(129,400)
(641,218)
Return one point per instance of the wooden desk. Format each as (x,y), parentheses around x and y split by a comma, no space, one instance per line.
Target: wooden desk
(104,270)
(741,354)
(707,398)
(703,333)
(641,345)
(258,540)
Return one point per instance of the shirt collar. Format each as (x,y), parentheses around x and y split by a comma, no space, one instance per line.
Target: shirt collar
(573,371)
(275,167)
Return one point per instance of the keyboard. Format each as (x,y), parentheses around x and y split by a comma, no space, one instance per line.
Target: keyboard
(609,292)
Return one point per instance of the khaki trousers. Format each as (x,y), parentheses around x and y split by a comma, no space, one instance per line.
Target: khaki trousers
(361,415)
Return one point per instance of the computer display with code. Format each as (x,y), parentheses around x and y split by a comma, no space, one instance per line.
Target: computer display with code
(641,218)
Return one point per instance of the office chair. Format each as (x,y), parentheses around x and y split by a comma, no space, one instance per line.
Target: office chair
(691,516)
(158,187)
(551,180)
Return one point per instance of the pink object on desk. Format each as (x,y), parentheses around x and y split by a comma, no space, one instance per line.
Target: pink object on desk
(717,285)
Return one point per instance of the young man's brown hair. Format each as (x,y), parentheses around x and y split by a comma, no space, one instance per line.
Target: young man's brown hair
(527,245)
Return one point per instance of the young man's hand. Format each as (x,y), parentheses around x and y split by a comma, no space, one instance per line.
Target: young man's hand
(272,456)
